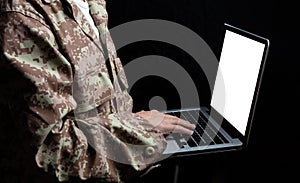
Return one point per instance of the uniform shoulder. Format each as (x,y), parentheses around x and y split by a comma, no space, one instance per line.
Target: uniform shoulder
(25,7)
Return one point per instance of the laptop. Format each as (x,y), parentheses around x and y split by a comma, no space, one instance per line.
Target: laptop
(225,124)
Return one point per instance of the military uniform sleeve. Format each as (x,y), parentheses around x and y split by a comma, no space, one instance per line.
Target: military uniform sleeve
(70,145)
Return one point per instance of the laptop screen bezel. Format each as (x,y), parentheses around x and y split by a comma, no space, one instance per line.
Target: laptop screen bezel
(215,114)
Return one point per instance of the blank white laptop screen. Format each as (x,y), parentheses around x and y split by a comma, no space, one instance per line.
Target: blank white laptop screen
(236,78)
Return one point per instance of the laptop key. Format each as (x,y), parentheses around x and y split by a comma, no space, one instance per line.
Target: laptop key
(223,139)
(191,142)
(217,140)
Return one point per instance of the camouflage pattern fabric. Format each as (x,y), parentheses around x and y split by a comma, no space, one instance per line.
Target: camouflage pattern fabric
(81,119)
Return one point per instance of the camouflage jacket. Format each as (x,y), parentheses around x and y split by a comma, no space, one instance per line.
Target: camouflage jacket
(80,118)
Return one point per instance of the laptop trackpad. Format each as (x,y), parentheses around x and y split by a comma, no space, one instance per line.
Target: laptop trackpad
(172,146)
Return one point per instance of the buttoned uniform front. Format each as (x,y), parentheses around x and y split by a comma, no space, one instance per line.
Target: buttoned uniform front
(69,95)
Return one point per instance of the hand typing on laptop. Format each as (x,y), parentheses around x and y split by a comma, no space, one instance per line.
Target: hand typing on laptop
(167,123)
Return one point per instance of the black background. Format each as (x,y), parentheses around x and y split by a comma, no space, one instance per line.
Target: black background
(272,152)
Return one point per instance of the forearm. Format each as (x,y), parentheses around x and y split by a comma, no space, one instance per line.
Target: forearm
(69,144)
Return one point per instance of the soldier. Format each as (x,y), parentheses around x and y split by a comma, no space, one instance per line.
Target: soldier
(57,83)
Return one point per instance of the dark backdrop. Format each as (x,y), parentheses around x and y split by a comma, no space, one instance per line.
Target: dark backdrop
(274,139)
(272,152)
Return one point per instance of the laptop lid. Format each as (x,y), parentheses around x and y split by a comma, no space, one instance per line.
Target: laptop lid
(238,80)
(236,88)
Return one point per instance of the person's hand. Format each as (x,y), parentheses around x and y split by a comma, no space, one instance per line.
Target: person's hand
(167,123)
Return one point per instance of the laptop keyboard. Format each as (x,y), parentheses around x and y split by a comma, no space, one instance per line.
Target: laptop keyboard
(204,134)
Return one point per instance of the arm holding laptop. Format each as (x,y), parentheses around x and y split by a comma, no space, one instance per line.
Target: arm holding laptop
(39,61)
